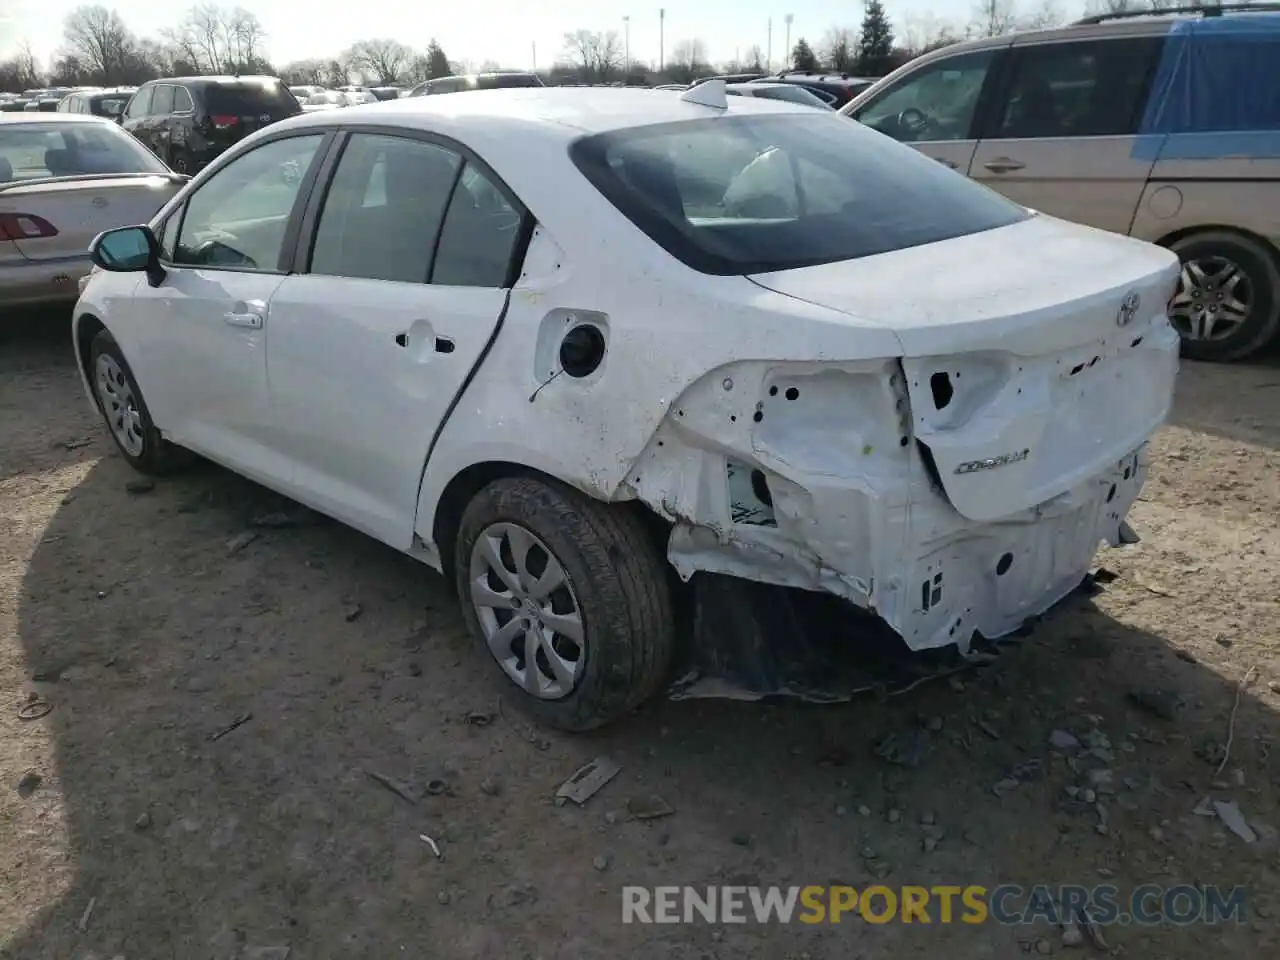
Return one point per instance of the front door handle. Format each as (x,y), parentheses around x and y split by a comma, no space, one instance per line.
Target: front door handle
(442,344)
(248,314)
(1003,165)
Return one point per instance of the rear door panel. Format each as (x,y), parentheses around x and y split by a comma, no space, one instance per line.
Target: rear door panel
(1062,136)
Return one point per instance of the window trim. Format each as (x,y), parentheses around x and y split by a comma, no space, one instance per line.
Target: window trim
(310,221)
(989,128)
(151,111)
(190,108)
(289,244)
(992,84)
(148,89)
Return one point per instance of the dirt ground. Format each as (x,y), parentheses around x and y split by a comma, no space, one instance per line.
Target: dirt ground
(127,830)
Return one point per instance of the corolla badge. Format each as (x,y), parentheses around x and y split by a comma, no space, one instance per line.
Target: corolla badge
(991,463)
(1128,308)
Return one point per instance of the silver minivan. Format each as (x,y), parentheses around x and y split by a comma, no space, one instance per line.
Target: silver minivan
(1161,126)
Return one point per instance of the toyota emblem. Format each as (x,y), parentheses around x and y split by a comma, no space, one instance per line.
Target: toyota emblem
(1128,308)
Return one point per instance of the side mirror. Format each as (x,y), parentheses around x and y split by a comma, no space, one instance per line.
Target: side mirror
(128,250)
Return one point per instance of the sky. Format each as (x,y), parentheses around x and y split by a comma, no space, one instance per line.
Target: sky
(298,30)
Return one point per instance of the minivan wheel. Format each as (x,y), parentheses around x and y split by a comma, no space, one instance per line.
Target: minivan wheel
(1227,304)
(568,597)
(125,411)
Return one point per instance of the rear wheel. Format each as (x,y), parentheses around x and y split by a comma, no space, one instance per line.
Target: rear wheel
(1228,301)
(568,597)
(126,412)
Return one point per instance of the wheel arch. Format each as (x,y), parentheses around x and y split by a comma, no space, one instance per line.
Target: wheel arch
(87,326)
(469,481)
(1182,233)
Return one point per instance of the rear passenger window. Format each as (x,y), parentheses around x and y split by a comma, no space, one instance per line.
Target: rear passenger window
(182,100)
(162,102)
(479,236)
(1096,88)
(384,209)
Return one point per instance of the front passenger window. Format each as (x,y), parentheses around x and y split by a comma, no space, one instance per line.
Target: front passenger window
(935,103)
(237,218)
(139,104)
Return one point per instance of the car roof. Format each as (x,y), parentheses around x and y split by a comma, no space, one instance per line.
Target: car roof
(246,78)
(53,118)
(566,112)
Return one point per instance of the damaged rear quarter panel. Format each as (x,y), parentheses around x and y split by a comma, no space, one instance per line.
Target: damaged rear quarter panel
(667,327)
(798,474)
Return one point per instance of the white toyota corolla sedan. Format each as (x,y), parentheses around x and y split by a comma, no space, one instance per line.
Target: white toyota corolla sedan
(576,348)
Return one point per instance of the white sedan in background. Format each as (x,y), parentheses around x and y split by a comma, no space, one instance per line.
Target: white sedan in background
(544,340)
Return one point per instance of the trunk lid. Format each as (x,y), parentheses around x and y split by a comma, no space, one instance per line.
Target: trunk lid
(58,217)
(1035,355)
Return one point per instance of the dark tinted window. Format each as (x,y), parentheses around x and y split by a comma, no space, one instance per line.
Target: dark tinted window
(384,208)
(503,81)
(479,235)
(758,193)
(1088,89)
(162,102)
(250,98)
(182,100)
(111,106)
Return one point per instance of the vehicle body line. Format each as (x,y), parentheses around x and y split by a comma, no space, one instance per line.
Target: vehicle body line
(453,405)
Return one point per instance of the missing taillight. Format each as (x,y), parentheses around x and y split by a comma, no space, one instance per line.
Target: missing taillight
(222,121)
(25,226)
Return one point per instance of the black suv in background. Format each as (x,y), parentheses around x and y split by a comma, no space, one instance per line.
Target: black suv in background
(188,121)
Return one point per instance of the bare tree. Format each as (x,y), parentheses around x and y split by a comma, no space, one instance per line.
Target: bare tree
(1093,7)
(688,59)
(840,48)
(754,59)
(923,32)
(98,44)
(993,18)
(385,60)
(303,72)
(597,56)
(215,39)
(1047,13)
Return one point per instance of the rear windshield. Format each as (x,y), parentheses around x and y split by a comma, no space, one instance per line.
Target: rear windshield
(112,106)
(70,149)
(251,99)
(753,194)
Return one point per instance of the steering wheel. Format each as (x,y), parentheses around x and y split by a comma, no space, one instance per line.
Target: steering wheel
(913,120)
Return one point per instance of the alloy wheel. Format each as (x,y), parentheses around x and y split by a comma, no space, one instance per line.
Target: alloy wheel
(528,610)
(119,405)
(1215,296)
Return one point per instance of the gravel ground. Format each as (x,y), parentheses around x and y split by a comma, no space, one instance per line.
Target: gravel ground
(152,619)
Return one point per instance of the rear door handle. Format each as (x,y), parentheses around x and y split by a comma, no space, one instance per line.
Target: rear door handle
(948,163)
(442,345)
(1003,165)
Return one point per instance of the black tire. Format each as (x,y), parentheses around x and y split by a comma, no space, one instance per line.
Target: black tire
(1258,264)
(622,588)
(158,456)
